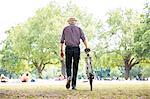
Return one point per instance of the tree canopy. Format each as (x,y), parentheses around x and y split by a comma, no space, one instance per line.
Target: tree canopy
(122,40)
(36,41)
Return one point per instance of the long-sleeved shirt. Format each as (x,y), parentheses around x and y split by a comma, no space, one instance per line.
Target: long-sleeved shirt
(71,35)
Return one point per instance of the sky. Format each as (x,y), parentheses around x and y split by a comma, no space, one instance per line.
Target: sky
(13,12)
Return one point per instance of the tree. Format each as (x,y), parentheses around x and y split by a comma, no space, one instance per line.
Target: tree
(9,60)
(122,23)
(142,35)
(37,40)
(142,40)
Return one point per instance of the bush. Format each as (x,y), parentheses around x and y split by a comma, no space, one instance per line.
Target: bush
(146,71)
(115,72)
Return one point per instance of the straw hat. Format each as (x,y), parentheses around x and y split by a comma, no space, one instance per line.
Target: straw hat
(71,19)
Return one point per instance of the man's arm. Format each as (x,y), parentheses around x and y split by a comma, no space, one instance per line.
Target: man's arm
(62,46)
(85,43)
(62,43)
(82,36)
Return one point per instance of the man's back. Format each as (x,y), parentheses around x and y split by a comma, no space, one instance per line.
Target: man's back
(72,35)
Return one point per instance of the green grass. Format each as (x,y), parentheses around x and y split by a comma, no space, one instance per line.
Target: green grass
(56,90)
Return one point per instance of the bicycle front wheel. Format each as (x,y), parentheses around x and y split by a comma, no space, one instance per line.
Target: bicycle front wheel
(91,81)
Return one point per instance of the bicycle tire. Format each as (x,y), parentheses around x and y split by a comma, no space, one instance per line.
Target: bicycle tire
(91,81)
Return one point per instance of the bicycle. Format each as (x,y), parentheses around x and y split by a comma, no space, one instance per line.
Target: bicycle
(89,70)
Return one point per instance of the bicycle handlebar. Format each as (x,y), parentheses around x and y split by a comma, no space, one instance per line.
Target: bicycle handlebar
(87,50)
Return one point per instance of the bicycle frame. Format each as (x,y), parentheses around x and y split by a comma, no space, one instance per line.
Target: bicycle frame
(88,65)
(89,70)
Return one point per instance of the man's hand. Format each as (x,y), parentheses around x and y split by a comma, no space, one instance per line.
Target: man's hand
(62,54)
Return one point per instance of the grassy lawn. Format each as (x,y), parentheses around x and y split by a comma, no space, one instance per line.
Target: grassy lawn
(56,90)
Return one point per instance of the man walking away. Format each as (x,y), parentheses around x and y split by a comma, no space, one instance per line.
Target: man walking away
(71,37)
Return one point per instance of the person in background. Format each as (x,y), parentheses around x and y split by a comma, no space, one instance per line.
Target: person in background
(3,78)
(25,77)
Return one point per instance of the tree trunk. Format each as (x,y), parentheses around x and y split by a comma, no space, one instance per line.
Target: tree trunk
(127,73)
(129,62)
(39,73)
(40,67)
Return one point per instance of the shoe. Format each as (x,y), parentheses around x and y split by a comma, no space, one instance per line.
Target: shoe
(68,84)
(74,88)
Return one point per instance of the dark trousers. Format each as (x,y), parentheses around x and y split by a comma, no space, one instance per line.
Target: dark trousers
(72,55)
